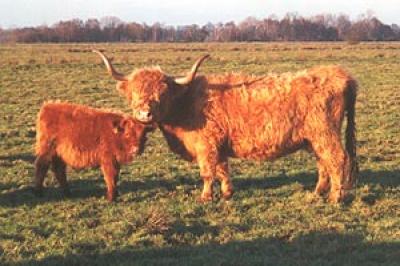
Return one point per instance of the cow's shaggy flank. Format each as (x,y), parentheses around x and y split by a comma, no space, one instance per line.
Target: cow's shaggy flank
(211,118)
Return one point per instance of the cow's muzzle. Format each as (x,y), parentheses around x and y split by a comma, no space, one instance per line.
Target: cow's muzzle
(144,116)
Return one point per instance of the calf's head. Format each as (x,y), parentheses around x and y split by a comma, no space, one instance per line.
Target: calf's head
(151,92)
(131,134)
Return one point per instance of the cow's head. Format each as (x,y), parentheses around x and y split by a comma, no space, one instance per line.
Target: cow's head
(150,91)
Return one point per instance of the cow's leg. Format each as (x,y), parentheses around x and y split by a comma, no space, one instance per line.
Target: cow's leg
(223,174)
(323,179)
(110,171)
(207,160)
(335,160)
(42,164)
(58,167)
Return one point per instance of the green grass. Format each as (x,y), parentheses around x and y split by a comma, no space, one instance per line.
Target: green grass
(270,220)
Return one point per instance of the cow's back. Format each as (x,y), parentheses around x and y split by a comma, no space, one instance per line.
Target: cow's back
(264,116)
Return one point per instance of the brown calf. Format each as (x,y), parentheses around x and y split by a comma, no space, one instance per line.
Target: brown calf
(82,137)
(211,118)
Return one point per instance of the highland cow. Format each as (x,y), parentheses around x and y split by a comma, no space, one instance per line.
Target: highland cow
(82,137)
(211,118)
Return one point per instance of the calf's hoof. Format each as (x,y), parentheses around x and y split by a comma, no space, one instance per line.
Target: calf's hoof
(112,197)
(227,195)
(205,197)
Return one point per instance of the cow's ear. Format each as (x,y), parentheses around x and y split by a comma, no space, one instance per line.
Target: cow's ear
(123,89)
(176,89)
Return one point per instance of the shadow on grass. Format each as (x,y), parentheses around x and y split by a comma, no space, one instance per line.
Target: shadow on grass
(7,186)
(25,196)
(308,180)
(26,157)
(82,189)
(315,248)
(383,178)
(390,178)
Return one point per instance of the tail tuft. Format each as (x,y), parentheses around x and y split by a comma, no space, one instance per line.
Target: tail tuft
(351,141)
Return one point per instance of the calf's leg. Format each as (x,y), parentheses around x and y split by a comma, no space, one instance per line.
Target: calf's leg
(110,171)
(58,167)
(41,167)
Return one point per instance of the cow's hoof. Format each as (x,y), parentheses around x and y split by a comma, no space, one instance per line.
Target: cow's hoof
(340,197)
(317,194)
(334,198)
(321,191)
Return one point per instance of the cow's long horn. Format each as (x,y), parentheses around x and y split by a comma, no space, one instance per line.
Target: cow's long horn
(190,76)
(110,68)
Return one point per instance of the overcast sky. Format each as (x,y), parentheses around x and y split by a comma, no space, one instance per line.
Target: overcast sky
(16,13)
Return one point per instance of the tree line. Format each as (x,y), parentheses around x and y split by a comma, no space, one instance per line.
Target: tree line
(291,27)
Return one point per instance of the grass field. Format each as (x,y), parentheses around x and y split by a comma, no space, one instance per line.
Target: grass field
(157,221)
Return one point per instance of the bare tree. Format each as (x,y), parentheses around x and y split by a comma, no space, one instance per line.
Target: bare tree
(292,27)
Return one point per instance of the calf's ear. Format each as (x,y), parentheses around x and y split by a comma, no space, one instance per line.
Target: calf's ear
(127,125)
(118,126)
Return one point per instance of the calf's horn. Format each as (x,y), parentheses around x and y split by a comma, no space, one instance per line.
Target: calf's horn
(190,76)
(110,68)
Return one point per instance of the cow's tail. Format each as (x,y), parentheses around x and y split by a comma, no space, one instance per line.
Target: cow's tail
(350,97)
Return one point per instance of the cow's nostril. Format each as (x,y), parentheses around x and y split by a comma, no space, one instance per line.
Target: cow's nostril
(144,115)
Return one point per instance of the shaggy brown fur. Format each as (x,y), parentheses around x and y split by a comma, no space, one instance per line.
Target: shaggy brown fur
(215,117)
(82,137)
